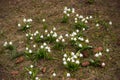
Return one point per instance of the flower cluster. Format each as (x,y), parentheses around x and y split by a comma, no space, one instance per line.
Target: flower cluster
(60,43)
(25,25)
(80,22)
(32,72)
(8,45)
(71,61)
(43,52)
(67,12)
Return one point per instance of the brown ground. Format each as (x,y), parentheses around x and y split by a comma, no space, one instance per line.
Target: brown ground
(12,11)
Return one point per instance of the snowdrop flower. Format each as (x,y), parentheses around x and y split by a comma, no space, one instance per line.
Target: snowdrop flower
(41,36)
(80,16)
(87,41)
(41,46)
(43,20)
(83,29)
(26,48)
(46,31)
(57,40)
(30,51)
(97,25)
(44,44)
(73,60)
(65,55)
(5,44)
(64,59)
(68,9)
(77,15)
(75,56)
(96,55)
(75,21)
(68,15)
(27,26)
(34,45)
(68,74)
(36,78)
(54,28)
(31,38)
(48,35)
(51,32)
(110,23)
(68,59)
(80,45)
(64,62)
(83,20)
(77,30)
(54,74)
(66,35)
(86,21)
(55,35)
(87,17)
(103,64)
(73,10)
(74,39)
(81,55)
(10,43)
(29,20)
(80,38)
(60,37)
(24,20)
(19,25)
(35,34)
(107,50)
(65,8)
(49,50)
(100,54)
(64,12)
(91,17)
(72,53)
(30,72)
(63,40)
(77,62)
(31,66)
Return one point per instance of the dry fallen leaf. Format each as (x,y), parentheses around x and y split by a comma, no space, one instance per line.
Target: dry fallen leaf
(14,72)
(19,60)
(85,63)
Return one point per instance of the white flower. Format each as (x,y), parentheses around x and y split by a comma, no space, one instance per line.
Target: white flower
(65,55)
(75,56)
(27,48)
(41,46)
(37,32)
(87,17)
(57,40)
(41,36)
(68,59)
(110,23)
(68,74)
(65,8)
(73,60)
(54,74)
(49,50)
(77,30)
(31,38)
(75,19)
(68,9)
(77,62)
(51,32)
(80,16)
(77,15)
(72,53)
(63,40)
(30,51)
(81,55)
(44,44)
(31,66)
(36,78)
(43,20)
(97,25)
(91,17)
(10,43)
(66,35)
(64,62)
(68,15)
(64,12)
(73,10)
(27,26)
(100,54)
(5,44)
(64,59)
(48,35)
(83,20)
(46,31)
(60,37)
(87,41)
(83,29)
(30,72)
(24,20)
(107,50)
(74,39)
(55,35)
(96,55)
(34,45)
(80,45)
(86,21)
(103,64)
(19,25)
(26,35)
(54,28)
